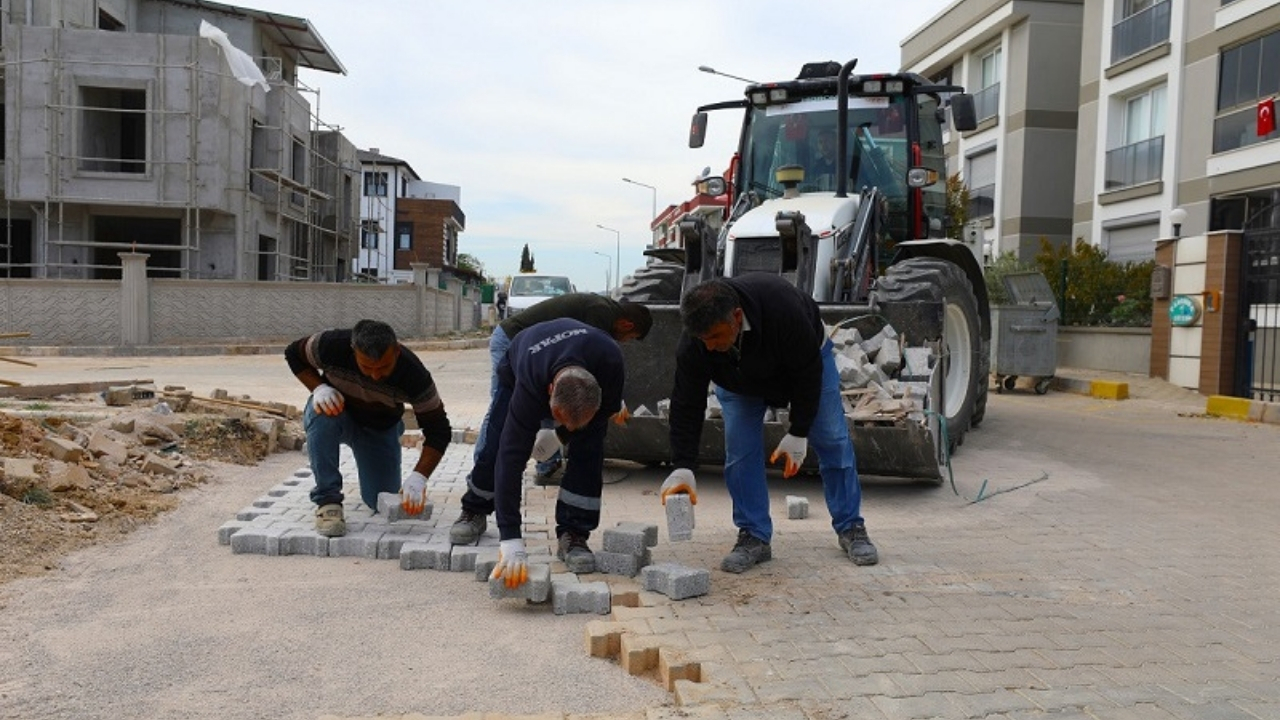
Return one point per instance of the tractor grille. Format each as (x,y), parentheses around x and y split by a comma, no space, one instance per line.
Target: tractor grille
(757,255)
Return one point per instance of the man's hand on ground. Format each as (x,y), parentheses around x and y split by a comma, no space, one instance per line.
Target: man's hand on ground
(327,400)
(413,493)
(680,481)
(792,449)
(513,563)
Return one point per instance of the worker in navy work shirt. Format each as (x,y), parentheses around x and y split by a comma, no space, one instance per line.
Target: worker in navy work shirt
(569,371)
(763,344)
(360,380)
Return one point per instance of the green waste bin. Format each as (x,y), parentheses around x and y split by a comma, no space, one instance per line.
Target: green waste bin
(486,293)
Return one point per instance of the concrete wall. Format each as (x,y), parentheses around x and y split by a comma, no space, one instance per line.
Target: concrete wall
(1101,348)
(173,312)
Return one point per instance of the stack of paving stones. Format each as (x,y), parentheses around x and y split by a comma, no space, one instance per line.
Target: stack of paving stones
(282,522)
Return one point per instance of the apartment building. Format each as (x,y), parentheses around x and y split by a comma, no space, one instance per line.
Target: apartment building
(1165,104)
(1019,59)
(429,219)
(384,181)
(125,130)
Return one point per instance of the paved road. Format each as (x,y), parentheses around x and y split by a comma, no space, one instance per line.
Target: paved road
(1096,559)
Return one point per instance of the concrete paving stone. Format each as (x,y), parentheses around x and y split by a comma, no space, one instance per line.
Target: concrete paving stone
(229,528)
(620,563)
(797,507)
(257,541)
(1057,699)
(797,689)
(432,555)
(390,543)
(356,543)
(536,589)
(251,512)
(462,558)
(677,582)
(304,541)
(486,560)
(302,473)
(578,597)
(680,518)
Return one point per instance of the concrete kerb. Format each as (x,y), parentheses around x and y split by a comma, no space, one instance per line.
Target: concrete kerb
(1114,386)
(236,347)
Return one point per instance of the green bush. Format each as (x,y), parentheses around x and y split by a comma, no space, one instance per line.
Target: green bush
(1098,292)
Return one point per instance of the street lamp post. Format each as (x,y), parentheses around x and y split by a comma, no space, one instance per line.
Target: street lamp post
(713,71)
(617,240)
(608,261)
(653,207)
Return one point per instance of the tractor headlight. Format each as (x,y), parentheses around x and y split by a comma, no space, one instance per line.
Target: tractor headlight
(918,177)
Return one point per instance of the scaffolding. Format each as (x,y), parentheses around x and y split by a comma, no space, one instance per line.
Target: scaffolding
(114,137)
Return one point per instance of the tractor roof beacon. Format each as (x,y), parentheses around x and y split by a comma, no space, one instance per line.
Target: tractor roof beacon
(869,245)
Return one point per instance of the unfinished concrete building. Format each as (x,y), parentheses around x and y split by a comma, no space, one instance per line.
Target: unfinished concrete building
(125,130)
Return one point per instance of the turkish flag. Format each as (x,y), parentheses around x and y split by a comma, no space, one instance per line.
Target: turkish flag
(1266,116)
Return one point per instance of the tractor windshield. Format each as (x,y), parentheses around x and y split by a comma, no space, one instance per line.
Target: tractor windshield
(804,133)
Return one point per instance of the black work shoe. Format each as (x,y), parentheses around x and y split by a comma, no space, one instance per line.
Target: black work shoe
(747,553)
(855,542)
(468,528)
(548,473)
(573,550)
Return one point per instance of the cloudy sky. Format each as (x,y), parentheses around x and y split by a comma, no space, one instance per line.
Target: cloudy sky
(537,110)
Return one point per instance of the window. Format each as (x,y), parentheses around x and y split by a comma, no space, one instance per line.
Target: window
(404,236)
(982,184)
(369,234)
(1142,24)
(1140,154)
(1246,74)
(258,159)
(107,22)
(113,130)
(1132,243)
(298,170)
(986,102)
(375,184)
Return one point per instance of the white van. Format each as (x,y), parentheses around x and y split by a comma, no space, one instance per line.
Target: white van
(528,290)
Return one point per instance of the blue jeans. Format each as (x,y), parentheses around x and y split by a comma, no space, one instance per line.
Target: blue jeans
(377,455)
(744,465)
(498,344)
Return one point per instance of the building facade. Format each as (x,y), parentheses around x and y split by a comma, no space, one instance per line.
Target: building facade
(127,130)
(429,220)
(1018,164)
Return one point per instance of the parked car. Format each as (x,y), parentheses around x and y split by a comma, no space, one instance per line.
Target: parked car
(525,291)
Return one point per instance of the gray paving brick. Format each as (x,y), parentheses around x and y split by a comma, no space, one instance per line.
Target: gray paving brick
(390,508)
(677,582)
(304,541)
(625,564)
(797,507)
(432,555)
(390,543)
(359,543)
(229,528)
(629,539)
(574,596)
(680,520)
(251,512)
(257,541)
(537,589)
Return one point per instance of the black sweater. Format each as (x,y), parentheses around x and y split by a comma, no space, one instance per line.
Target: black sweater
(781,362)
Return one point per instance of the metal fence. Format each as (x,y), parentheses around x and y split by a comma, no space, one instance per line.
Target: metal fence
(1135,164)
(1140,31)
(1259,376)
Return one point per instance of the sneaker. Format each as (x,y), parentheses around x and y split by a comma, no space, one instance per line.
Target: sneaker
(573,550)
(468,528)
(855,542)
(329,521)
(748,552)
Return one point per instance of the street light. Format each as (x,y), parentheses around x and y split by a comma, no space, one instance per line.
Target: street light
(617,240)
(608,261)
(653,207)
(713,71)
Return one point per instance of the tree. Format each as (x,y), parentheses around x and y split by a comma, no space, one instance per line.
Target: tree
(526,260)
(957,207)
(467,261)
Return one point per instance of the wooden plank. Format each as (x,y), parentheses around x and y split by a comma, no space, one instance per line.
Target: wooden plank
(10,383)
(234,403)
(32,392)
(17,361)
(6,336)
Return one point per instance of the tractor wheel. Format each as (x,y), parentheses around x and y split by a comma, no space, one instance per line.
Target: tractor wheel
(658,283)
(965,365)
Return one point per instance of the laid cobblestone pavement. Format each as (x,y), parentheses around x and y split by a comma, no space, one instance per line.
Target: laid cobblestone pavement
(1068,596)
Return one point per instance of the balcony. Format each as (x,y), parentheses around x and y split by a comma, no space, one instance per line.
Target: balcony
(982,201)
(986,102)
(1239,129)
(1135,164)
(1140,31)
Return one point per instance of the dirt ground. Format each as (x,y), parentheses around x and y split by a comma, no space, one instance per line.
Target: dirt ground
(75,471)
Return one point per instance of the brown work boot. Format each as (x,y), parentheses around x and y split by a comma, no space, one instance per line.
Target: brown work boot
(329,521)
